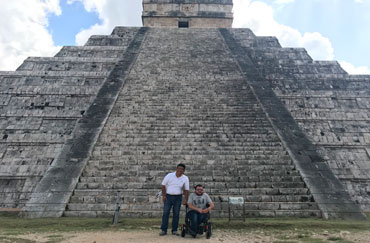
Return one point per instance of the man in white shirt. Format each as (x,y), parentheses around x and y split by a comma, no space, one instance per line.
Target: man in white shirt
(173,186)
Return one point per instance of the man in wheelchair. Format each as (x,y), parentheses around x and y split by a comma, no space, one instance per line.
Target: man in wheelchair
(200,204)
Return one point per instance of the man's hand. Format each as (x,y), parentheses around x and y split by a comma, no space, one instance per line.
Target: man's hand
(164,195)
(186,194)
(201,210)
(211,206)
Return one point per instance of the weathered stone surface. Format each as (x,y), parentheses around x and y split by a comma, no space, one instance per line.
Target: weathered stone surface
(196,13)
(265,122)
(184,101)
(316,174)
(59,181)
(329,105)
(39,111)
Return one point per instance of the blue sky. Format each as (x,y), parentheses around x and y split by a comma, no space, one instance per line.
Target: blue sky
(345,22)
(328,29)
(74,18)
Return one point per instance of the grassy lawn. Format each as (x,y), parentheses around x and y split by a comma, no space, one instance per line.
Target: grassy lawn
(285,230)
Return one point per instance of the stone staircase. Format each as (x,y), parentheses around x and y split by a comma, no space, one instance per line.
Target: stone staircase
(41,103)
(320,95)
(185,100)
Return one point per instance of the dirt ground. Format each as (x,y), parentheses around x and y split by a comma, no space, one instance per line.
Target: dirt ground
(144,236)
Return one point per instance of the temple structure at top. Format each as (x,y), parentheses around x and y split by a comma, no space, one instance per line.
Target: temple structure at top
(188,13)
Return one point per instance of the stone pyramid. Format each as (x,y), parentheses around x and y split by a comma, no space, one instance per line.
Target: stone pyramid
(248,118)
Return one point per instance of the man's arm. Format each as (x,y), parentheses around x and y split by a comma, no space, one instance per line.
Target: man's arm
(192,207)
(163,187)
(186,190)
(211,206)
(186,194)
(164,195)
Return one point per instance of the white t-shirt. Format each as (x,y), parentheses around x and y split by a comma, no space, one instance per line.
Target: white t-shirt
(174,185)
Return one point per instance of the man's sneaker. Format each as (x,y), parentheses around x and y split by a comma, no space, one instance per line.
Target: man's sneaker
(163,233)
(175,233)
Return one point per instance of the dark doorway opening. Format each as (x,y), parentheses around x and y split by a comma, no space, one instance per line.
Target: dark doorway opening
(183,24)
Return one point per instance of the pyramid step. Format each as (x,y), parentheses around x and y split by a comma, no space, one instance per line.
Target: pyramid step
(104,40)
(129,198)
(215,214)
(221,206)
(91,51)
(144,183)
(240,174)
(57,74)
(70,59)
(247,177)
(201,168)
(160,174)
(195,141)
(145,156)
(68,64)
(153,191)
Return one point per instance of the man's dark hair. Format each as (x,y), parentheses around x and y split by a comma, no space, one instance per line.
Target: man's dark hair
(199,185)
(181,165)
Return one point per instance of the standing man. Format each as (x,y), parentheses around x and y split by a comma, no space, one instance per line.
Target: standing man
(200,204)
(173,186)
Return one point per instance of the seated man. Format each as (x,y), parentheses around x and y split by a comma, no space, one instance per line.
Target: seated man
(197,203)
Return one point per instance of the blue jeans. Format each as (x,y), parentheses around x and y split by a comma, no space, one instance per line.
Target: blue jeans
(172,201)
(196,219)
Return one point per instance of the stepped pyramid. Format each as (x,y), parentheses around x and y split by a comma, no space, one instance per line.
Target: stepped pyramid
(248,118)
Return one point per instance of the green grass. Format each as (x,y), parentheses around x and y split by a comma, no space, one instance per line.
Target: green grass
(14,240)
(14,225)
(337,239)
(297,237)
(285,230)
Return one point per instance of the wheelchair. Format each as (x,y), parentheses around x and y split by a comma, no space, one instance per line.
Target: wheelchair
(204,227)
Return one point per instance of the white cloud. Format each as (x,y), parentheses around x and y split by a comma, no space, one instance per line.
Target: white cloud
(351,69)
(283,1)
(259,17)
(363,1)
(112,13)
(318,46)
(23,31)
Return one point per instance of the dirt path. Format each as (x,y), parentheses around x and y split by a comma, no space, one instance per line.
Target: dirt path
(147,236)
(152,236)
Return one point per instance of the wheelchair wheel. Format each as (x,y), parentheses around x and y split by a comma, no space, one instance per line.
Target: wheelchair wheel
(183,231)
(209,231)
